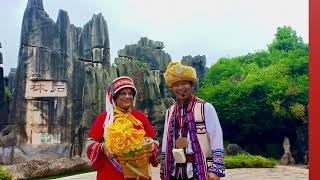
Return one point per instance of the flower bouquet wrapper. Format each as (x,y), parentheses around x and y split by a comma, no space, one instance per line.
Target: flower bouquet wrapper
(130,148)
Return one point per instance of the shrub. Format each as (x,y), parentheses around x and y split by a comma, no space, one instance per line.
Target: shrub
(8,95)
(248,161)
(4,174)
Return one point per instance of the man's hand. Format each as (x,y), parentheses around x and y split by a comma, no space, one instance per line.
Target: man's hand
(212,176)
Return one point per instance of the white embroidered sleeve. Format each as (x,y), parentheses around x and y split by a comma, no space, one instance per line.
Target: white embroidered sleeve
(214,130)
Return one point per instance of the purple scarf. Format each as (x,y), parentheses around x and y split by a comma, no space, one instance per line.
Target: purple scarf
(200,164)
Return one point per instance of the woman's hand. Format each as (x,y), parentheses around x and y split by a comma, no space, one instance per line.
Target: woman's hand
(105,150)
(154,154)
(155,145)
(212,176)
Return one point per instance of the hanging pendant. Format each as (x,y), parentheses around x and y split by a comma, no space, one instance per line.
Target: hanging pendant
(181,143)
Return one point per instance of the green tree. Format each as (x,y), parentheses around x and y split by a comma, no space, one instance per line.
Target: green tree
(262,97)
(286,39)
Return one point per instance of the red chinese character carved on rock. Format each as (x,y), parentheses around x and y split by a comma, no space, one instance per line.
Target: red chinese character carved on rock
(38,88)
(57,87)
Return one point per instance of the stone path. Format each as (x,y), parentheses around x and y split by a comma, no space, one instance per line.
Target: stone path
(278,173)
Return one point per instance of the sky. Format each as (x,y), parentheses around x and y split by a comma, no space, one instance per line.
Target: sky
(214,28)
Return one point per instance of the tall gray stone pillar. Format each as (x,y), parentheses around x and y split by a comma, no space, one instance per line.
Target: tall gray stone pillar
(3,103)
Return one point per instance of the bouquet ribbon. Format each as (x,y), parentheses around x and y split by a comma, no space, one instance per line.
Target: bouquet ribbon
(122,136)
(119,115)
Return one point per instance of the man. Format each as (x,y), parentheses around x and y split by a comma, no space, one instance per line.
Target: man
(192,145)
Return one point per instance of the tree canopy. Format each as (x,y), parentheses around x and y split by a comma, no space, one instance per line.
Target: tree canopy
(262,97)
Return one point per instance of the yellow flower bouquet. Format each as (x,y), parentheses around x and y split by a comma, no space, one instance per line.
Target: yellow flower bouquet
(123,138)
(130,146)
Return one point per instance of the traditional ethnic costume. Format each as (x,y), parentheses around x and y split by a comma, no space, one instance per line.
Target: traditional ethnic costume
(197,123)
(107,167)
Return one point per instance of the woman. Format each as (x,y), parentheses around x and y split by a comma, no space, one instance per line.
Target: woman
(120,100)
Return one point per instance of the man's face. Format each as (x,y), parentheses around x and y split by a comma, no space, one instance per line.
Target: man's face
(182,89)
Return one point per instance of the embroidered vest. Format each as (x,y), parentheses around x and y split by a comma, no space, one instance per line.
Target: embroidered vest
(198,112)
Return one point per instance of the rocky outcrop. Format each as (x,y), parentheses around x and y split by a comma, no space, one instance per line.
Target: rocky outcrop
(198,63)
(42,168)
(61,82)
(152,97)
(287,156)
(146,62)
(21,154)
(149,52)
(12,79)
(234,149)
(3,103)
(300,145)
(94,42)
(144,41)
(61,74)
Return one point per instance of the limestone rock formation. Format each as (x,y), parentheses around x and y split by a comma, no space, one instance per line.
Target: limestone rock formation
(43,168)
(94,41)
(287,156)
(144,41)
(149,83)
(234,149)
(150,60)
(3,103)
(199,63)
(11,79)
(23,153)
(300,145)
(59,82)
(149,52)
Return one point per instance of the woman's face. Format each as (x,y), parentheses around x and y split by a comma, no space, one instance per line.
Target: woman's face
(124,99)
